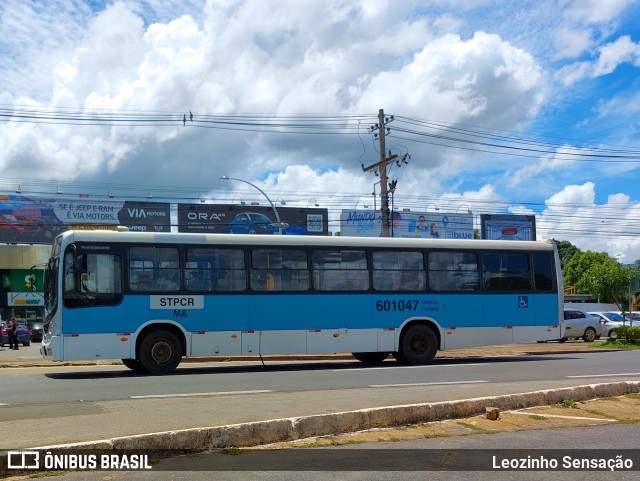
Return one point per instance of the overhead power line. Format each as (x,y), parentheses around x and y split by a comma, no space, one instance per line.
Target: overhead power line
(407,129)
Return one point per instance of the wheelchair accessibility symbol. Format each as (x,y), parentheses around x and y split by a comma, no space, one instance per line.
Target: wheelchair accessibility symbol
(523,301)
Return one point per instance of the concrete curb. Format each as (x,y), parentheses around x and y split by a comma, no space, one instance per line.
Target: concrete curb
(290,429)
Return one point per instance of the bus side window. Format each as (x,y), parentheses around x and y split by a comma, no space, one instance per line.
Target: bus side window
(543,271)
(340,270)
(169,280)
(398,271)
(197,280)
(215,270)
(506,272)
(279,270)
(453,271)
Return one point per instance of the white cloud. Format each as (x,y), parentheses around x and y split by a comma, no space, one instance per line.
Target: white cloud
(574,194)
(484,79)
(613,54)
(564,158)
(248,56)
(595,11)
(621,105)
(585,24)
(572,42)
(610,56)
(573,215)
(573,73)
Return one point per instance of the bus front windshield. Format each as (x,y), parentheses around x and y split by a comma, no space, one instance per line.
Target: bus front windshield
(91,277)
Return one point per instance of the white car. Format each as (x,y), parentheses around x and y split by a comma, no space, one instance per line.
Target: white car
(611,320)
(581,325)
(635,317)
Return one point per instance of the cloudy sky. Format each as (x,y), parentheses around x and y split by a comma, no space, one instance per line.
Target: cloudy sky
(503,107)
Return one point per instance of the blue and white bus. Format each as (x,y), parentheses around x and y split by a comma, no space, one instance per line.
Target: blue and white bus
(152,298)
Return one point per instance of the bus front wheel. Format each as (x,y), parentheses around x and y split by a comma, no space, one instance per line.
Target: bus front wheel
(160,352)
(418,345)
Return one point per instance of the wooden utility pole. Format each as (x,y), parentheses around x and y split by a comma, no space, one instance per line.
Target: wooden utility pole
(381,166)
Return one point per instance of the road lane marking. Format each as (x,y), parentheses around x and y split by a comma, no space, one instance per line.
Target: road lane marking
(196,394)
(609,375)
(409,367)
(426,384)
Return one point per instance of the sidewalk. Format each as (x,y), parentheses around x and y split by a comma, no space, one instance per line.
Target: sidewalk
(29,356)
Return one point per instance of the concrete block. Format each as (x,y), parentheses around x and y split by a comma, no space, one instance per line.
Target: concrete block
(492,413)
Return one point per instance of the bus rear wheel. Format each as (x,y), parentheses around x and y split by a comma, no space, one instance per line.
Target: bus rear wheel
(370,357)
(418,345)
(160,352)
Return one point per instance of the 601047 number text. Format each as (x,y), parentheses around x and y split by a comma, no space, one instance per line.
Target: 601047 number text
(397,305)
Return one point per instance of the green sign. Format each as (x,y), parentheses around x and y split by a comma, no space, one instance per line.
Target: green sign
(26,280)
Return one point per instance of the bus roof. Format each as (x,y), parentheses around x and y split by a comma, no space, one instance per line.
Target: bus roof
(320,241)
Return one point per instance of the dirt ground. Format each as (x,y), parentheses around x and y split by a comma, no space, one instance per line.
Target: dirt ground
(566,414)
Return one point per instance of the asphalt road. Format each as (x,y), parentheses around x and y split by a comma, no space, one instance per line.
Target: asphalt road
(81,403)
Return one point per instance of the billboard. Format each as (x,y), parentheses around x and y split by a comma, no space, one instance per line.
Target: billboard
(361,223)
(22,280)
(25,299)
(406,224)
(508,227)
(251,219)
(37,221)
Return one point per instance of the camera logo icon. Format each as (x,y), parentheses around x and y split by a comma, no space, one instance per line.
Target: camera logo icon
(23,460)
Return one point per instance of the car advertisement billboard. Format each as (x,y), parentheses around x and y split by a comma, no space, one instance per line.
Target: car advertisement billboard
(251,219)
(508,227)
(38,221)
(406,224)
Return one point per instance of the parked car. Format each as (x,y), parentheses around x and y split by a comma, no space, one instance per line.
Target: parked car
(37,329)
(9,222)
(24,335)
(581,325)
(612,320)
(251,223)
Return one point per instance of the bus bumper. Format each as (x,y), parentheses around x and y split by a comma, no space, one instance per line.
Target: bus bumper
(51,350)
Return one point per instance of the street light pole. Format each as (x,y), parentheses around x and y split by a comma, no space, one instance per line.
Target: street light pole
(273,206)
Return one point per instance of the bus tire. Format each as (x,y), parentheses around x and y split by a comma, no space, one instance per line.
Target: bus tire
(160,352)
(418,345)
(370,357)
(133,364)
(398,357)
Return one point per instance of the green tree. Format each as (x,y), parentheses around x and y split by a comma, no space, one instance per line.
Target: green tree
(608,281)
(576,268)
(566,250)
